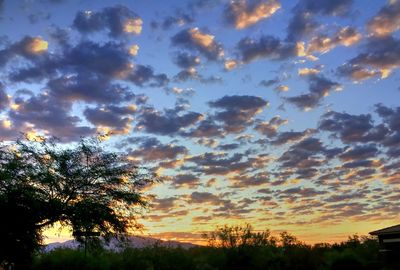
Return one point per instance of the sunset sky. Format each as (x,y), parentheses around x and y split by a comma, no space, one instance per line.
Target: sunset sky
(281,113)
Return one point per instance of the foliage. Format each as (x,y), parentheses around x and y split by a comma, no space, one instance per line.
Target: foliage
(83,187)
(238,236)
(360,255)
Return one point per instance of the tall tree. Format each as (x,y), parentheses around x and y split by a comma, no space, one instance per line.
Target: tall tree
(82,186)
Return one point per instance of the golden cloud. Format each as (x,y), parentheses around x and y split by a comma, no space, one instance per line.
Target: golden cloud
(308,71)
(243,17)
(37,46)
(133,50)
(230,64)
(133,26)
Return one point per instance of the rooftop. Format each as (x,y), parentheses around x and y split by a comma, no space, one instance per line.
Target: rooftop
(388,230)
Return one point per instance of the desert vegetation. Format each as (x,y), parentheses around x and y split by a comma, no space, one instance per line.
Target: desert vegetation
(229,247)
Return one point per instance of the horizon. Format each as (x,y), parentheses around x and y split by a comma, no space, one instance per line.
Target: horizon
(283,114)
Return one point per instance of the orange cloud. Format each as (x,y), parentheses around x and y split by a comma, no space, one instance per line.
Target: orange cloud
(244,16)
(133,26)
(37,46)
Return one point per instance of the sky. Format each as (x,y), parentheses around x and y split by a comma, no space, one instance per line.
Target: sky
(281,113)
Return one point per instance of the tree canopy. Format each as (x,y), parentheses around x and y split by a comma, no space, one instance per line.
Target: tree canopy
(80,186)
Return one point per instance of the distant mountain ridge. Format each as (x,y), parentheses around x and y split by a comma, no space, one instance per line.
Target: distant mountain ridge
(116,245)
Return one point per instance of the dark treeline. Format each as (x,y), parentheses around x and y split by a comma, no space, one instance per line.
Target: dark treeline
(237,247)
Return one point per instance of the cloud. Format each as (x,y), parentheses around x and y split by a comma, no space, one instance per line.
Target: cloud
(4,98)
(194,39)
(359,152)
(180,18)
(333,8)
(133,49)
(167,122)
(352,128)
(308,71)
(230,64)
(319,87)
(291,136)
(242,14)
(30,48)
(108,59)
(237,112)
(144,75)
(51,115)
(205,198)
(381,55)
(76,88)
(386,21)
(303,24)
(117,20)
(346,36)
(187,180)
(164,204)
(151,149)
(211,163)
(111,119)
(206,128)
(185,60)
(271,82)
(270,128)
(265,47)
(358,73)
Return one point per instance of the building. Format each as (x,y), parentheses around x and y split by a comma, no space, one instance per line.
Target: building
(389,241)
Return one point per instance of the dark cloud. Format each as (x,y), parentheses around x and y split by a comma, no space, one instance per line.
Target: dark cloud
(4,99)
(301,192)
(303,23)
(291,136)
(223,163)
(331,7)
(185,60)
(188,180)
(206,128)
(386,21)
(180,18)
(31,48)
(379,57)
(228,147)
(164,204)
(319,87)
(194,39)
(51,115)
(110,59)
(391,116)
(205,197)
(151,149)
(237,112)
(360,163)
(168,122)
(352,128)
(270,128)
(89,88)
(117,119)
(265,47)
(359,152)
(117,20)
(269,83)
(142,75)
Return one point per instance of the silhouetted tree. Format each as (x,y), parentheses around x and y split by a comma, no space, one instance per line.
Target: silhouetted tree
(82,186)
(239,236)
